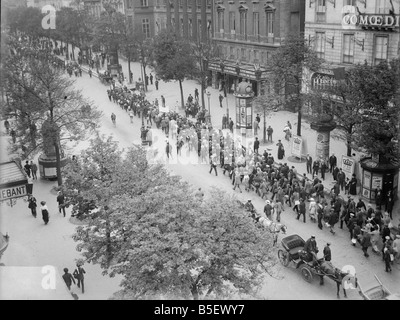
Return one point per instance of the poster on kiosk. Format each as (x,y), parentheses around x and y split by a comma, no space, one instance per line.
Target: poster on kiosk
(348,165)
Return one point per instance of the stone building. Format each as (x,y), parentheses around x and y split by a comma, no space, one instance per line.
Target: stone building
(347,32)
(247,33)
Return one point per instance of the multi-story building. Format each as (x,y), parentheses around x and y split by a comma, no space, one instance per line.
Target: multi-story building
(247,32)
(57,4)
(95,7)
(189,18)
(347,32)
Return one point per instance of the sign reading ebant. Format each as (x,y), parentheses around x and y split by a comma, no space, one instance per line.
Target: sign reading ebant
(13,192)
(348,165)
(297,142)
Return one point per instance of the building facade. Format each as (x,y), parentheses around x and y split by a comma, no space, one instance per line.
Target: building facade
(185,17)
(348,32)
(95,7)
(247,32)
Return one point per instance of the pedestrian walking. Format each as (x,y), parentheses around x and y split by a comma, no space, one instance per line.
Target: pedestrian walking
(278,208)
(79,276)
(309,163)
(68,279)
(156,83)
(366,243)
(27,168)
(221,97)
(34,170)
(29,185)
(327,252)
(256,145)
(163,101)
(269,133)
(151,79)
(90,75)
(388,256)
(45,212)
(231,124)
(32,205)
(268,209)
(281,150)
(196,94)
(237,181)
(213,165)
(131,115)
(61,202)
(353,185)
(302,210)
(332,162)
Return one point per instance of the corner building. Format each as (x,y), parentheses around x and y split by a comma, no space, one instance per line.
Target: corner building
(348,32)
(247,33)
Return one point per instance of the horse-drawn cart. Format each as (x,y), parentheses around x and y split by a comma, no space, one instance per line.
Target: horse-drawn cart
(292,252)
(378,292)
(105,77)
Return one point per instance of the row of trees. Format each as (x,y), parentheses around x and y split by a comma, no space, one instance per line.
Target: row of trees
(46,109)
(152,230)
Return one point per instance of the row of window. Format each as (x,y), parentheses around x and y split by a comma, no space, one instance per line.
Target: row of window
(381,6)
(159,3)
(245,55)
(242,27)
(380,47)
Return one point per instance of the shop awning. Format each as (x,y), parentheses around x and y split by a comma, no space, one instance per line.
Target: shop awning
(12,181)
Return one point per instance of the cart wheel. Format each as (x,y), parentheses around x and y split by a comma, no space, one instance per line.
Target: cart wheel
(283,257)
(307,274)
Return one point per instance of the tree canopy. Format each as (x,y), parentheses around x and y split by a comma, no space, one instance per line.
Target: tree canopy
(286,71)
(151,229)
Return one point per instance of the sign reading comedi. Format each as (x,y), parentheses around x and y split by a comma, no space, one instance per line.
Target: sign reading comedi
(13,192)
(297,142)
(348,165)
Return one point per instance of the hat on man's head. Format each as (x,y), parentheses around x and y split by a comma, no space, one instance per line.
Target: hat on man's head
(267,202)
(312,237)
(328,243)
(387,238)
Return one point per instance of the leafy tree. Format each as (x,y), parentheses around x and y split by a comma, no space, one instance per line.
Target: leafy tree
(203,52)
(265,104)
(173,59)
(153,231)
(286,68)
(27,20)
(364,106)
(46,108)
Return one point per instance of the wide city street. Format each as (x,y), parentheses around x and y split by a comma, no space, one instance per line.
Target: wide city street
(32,244)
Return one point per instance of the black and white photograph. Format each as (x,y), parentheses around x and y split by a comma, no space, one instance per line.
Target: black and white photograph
(201,156)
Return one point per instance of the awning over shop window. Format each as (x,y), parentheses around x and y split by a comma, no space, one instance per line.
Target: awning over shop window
(12,181)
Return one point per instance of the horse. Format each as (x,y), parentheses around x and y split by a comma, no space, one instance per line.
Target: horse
(274,227)
(336,275)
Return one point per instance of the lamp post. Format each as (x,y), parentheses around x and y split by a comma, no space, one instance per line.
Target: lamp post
(226,88)
(209,110)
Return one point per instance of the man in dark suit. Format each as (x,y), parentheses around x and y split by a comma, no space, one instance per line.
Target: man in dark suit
(79,275)
(332,162)
(68,278)
(309,163)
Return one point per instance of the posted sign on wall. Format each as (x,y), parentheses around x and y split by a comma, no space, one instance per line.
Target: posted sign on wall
(348,165)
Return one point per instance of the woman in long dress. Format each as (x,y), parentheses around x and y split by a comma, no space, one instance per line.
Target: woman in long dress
(353,185)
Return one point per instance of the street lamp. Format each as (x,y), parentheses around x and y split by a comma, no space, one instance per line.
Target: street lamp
(209,110)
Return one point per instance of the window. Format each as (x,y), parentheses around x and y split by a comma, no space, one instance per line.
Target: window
(158,25)
(320,44)
(144,3)
(270,23)
(220,21)
(231,53)
(190,28)
(380,49)
(348,48)
(232,21)
(243,54)
(243,22)
(146,28)
(382,6)
(256,23)
(256,56)
(349,2)
(129,3)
